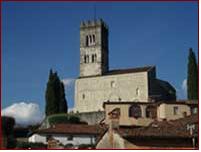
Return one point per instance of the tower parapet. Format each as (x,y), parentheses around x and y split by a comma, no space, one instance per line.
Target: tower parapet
(92,23)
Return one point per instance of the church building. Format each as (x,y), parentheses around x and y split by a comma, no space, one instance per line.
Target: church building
(97,84)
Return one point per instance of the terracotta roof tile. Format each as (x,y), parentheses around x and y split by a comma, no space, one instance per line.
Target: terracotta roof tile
(72,129)
(174,128)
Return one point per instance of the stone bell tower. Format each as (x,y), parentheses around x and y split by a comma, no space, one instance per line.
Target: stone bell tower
(93,48)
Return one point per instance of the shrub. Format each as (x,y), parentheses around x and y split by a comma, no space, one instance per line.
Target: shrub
(28,145)
(63,118)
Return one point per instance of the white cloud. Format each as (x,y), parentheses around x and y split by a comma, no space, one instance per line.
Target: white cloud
(68,81)
(24,113)
(184,85)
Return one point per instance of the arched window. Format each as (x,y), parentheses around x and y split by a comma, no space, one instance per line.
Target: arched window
(92,58)
(87,40)
(135,111)
(151,112)
(85,59)
(93,38)
(90,39)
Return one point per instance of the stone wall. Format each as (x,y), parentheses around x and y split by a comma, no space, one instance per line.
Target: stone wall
(90,93)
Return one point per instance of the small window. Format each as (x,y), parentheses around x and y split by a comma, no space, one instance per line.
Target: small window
(94,39)
(83,96)
(175,110)
(137,92)
(151,112)
(135,111)
(90,39)
(70,138)
(85,59)
(92,58)
(112,84)
(87,40)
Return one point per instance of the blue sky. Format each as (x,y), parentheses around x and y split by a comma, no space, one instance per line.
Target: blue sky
(38,36)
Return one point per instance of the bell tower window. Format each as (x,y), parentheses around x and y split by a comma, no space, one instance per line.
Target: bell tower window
(87,40)
(94,39)
(92,58)
(85,59)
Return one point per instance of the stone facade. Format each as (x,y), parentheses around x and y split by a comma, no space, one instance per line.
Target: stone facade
(90,93)
(97,84)
(93,48)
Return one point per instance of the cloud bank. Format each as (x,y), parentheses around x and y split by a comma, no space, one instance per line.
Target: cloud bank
(24,113)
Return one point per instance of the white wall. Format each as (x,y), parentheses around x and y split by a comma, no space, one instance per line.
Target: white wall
(77,140)
(36,138)
(166,111)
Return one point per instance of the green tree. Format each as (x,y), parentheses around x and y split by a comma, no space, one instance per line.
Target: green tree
(192,79)
(63,107)
(8,124)
(50,96)
(55,96)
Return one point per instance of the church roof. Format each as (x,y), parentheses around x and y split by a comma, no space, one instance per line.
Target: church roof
(124,71)
(131,70)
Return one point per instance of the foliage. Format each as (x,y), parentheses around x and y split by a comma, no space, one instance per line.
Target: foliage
(192,80)
(74,119)
(28,145)
(63,103)
(55,95)
(8,124)
(63,118)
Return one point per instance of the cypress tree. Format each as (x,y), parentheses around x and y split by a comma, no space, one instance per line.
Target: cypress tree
(55,95)
(192,79)
(63,108)
(50,96)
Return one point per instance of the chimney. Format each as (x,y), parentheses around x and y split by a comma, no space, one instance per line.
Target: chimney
(113,124)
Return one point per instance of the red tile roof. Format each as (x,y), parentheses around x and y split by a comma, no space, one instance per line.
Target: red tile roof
(175,128)
(72,129)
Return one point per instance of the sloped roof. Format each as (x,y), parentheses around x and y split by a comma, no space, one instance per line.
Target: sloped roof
(166,129)
(131,70)
(123,71)
(72,129)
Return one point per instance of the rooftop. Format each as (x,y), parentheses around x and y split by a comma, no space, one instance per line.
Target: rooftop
(124,71)
(180,102)
(72,129)
(166,129)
